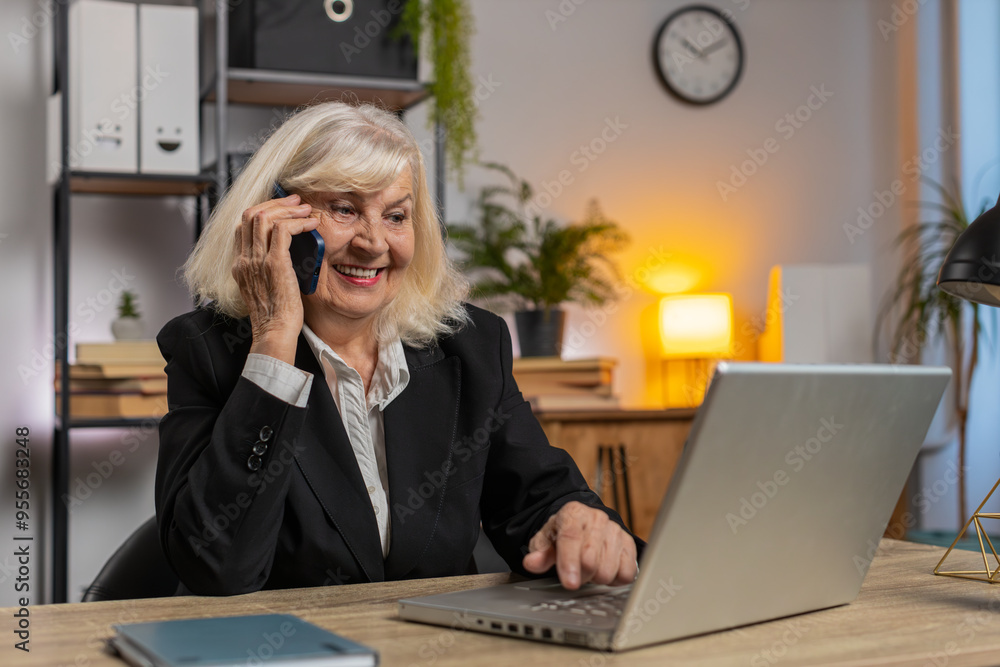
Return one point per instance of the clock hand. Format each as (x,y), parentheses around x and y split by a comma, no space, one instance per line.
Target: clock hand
(714,46)
(691,47)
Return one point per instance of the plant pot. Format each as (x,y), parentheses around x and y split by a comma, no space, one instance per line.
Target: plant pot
(540,332)
(128,328)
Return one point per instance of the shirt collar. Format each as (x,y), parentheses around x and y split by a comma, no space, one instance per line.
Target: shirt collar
(391,372)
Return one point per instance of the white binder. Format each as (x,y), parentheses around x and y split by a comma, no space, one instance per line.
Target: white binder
(104,113)
(168,81)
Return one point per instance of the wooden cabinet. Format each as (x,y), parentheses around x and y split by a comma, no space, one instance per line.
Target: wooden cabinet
(627,456)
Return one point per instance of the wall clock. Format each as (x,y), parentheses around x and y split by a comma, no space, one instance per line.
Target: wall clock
(698,54)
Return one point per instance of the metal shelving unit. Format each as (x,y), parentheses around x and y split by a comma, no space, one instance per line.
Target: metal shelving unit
(228,86)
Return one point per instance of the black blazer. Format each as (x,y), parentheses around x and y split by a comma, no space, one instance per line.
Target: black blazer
(254,493)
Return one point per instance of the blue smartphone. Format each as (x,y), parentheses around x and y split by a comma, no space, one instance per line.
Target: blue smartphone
(306,252)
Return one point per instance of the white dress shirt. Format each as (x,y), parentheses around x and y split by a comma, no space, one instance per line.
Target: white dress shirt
(362,415)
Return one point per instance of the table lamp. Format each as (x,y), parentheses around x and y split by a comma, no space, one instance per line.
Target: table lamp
(696,330)
(971,271)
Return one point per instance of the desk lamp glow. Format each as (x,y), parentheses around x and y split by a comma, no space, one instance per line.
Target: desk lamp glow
(971,271)
(696,330)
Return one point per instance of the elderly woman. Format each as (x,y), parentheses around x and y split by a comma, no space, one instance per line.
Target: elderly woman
(362,432)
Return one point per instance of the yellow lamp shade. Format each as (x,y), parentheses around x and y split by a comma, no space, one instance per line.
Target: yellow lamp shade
(696,326)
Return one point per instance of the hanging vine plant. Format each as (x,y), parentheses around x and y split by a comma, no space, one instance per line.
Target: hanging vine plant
(444,28)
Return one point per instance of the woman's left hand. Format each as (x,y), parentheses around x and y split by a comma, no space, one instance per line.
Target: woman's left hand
(584,545)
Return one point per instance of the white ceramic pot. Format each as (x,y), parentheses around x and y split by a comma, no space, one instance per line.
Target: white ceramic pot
(128,328)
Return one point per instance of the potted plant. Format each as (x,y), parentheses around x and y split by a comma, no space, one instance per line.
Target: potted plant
(917,312)
(129,325)
(443,29)
(533,265)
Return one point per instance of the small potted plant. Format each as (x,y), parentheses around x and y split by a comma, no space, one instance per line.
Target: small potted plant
(129,325)
(534,265)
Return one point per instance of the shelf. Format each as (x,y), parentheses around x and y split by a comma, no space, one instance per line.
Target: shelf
(269,87)
(138,184)
(105,422)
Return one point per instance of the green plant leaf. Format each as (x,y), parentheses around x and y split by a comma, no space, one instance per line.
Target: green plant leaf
(536,262)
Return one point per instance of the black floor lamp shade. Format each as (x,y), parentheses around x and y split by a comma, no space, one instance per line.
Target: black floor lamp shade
(971,270)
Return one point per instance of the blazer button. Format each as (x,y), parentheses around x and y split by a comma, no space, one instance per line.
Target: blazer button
(265,433)
(253,463)
(259,448)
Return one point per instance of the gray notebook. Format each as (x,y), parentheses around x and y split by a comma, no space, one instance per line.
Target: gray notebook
(275,640)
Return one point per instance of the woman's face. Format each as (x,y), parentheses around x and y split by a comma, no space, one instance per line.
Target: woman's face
(369,245)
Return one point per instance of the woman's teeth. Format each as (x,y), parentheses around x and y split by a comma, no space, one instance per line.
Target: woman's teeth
(356,271)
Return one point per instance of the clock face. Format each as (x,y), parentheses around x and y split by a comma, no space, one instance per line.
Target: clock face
(698,54)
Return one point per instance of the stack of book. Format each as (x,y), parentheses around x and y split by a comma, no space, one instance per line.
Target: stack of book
(550,383)
(120,379)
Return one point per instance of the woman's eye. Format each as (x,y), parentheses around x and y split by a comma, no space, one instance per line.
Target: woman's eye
(397,218)
(343,210)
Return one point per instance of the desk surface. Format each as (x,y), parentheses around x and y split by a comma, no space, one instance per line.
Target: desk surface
(903,616)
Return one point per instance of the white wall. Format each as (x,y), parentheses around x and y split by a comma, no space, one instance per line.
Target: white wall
(556,85)
(25,240)
(554,90)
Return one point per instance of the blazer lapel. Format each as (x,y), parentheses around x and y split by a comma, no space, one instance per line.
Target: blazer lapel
(420,428)
(328,463)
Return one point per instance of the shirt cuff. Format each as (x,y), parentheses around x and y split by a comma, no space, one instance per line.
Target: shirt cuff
(279,379)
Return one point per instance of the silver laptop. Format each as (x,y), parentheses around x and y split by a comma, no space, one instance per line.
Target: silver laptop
(786,484)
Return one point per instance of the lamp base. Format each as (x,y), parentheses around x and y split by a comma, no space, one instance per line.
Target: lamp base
(988,575)
(685,381)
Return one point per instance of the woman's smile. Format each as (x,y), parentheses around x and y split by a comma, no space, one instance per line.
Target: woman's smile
(359,275)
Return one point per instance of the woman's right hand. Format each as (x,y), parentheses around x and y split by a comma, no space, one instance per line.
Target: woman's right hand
(263,270)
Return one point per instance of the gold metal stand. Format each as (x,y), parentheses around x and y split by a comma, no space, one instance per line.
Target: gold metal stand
(986,574)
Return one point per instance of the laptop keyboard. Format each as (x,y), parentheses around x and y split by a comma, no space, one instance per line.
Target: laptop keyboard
(610,604)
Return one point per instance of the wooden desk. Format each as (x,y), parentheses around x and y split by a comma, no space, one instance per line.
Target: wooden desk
(652,441)
(904,616)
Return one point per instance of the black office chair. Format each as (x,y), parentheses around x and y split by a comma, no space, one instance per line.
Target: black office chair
(485,558)
(138,569)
